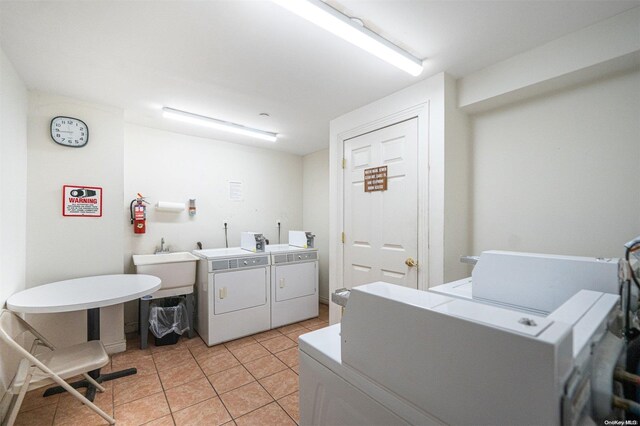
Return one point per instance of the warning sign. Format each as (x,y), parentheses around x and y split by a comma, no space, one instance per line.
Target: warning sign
(84,201)
(375,179)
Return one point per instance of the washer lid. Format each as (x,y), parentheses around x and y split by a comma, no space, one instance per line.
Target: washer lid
(323,345)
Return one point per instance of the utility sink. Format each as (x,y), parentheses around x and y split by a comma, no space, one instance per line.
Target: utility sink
(174,269)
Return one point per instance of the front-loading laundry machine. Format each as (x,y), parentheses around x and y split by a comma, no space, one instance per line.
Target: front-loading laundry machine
(294,284)
(234,294)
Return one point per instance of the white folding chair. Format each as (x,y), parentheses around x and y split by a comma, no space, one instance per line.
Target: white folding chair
(39,367)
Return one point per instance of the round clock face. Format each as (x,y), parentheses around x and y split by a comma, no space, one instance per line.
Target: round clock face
(68,131)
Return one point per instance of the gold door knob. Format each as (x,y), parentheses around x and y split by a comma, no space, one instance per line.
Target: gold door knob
(410,262)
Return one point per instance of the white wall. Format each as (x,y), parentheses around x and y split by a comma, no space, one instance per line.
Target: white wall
(457,181)
(68,247)
(315,210)
(606,46)
(13,193)
(165,166)
(559,173)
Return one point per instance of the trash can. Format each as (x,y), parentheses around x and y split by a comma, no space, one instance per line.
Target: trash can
(168,319)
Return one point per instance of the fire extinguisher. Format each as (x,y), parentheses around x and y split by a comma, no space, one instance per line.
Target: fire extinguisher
(138,212)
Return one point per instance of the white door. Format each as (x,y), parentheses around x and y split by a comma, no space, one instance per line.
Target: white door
(381,227)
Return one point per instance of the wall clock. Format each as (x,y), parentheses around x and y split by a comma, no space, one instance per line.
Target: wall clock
(69,131)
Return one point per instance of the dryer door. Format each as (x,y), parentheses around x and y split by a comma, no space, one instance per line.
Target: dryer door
(237,290)
(295,280)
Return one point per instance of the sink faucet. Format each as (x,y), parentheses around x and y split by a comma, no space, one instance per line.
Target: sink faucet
(162,249)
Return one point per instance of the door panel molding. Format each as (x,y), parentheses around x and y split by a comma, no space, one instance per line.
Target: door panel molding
(378,219)
(421,112)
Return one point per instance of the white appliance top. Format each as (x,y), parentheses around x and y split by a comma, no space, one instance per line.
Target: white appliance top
(539,283)
(461,289)
(490,346)
(325,347)
(286,248)
(225,252)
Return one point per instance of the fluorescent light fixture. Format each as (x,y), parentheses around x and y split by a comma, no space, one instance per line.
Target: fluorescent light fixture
(202,120)
(330,19)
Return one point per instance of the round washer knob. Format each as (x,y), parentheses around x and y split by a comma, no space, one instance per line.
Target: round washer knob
(245,262)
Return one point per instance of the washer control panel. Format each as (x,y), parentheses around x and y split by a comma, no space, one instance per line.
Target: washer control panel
(243,262)
(295,257)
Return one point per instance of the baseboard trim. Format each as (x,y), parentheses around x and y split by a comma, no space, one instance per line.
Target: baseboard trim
(324,300)
(131,327)
(116,347)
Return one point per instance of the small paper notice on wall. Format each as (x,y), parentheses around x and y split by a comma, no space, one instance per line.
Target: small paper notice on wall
(235,191)
(81,201)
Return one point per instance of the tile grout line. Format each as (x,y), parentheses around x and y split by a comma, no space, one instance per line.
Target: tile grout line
(258,380)
(171,412)
(55,412)
(137,399)
(284,396)
(286,412)
(259,384)
(219,395)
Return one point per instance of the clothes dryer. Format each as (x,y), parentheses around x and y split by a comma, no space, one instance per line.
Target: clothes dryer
(294,284)
(234,294)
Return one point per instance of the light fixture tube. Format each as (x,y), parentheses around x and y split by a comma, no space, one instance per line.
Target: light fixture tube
(330,19)
(213,123)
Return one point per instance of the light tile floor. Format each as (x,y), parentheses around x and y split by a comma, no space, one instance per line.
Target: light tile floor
(249,381)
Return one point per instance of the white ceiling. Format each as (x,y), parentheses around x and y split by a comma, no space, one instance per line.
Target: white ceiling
(235,59)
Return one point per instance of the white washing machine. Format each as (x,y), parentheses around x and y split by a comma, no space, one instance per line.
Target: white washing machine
(408,357)
(332,394)
(294,284)
(234,294)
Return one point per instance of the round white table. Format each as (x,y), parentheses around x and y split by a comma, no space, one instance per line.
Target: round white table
(90,293)
(83,293)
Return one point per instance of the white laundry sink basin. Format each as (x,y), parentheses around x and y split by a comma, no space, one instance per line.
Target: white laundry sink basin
(174,269)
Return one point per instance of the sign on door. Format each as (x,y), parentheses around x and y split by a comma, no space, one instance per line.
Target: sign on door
(375,179)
